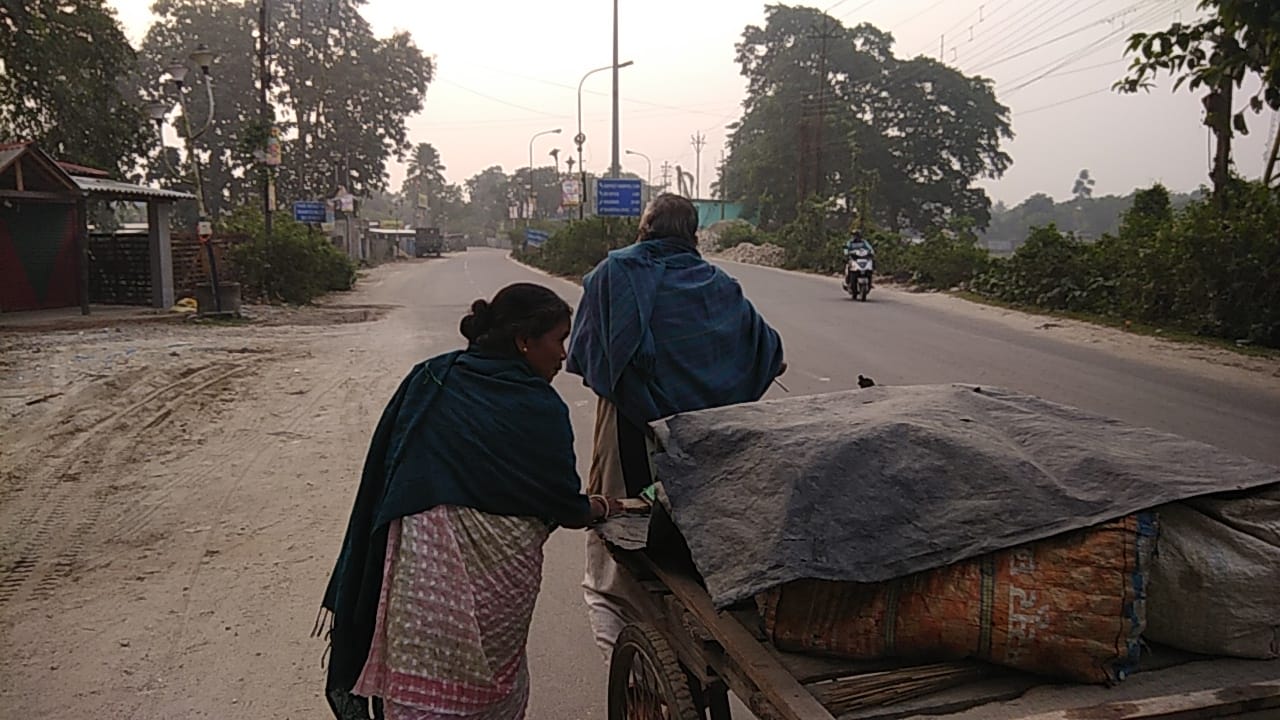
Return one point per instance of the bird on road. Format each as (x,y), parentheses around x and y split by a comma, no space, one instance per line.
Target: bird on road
(865,382)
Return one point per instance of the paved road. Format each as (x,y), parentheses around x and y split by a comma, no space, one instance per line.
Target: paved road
(829,341)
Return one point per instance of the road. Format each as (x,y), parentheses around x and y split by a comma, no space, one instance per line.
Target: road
(172,497)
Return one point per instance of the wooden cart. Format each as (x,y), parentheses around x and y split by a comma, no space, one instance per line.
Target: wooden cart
(682,660)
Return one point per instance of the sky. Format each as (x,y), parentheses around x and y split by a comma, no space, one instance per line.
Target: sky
(509,69)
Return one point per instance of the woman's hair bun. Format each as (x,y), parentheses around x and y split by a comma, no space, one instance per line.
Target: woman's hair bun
(478,322)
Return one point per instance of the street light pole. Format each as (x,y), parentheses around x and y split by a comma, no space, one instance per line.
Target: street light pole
(531,205)
(264,108)
(649,181)
(615,163)
(202,57)
(581,139)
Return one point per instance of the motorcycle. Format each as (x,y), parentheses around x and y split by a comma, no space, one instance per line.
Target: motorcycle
(857,274)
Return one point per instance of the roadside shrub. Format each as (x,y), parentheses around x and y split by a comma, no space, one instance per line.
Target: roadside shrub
(578,246)
(737,232)
(296,265)
(810,243)
(1051,270)
(945,261)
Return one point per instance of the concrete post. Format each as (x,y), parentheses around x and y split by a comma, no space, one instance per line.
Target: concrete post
(160,247)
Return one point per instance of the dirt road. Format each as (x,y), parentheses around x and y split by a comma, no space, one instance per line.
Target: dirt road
(172,497)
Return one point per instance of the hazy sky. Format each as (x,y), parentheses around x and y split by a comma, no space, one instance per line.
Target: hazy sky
(509,68)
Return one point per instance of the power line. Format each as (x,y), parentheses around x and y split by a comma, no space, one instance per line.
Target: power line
(1031,33)
(1072,33)
(1005,26)
(1022,81)
(1060,103)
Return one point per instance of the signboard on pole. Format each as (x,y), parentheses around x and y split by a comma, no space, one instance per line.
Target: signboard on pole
(535,238)
(310,211)
(619,197)
(571,193)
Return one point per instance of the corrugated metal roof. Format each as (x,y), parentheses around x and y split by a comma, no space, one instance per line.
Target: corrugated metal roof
(10,153)
(128,191)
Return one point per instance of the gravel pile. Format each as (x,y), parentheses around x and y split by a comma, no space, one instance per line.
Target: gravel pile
(766,254)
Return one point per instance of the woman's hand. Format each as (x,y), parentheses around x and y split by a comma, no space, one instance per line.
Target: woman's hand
(603,508)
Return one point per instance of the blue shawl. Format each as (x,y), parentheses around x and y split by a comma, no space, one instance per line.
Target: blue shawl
(661,331)
(464,429)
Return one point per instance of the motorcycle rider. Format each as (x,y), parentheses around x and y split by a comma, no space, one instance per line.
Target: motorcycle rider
(857,243)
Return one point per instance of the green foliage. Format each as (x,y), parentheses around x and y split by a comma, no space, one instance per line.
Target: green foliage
(69,82)
(579,245)
(296,265)
(342,94)
(945,260)
(736,232)
(911,135)
(810,242)
(1195,269)
(1051,270)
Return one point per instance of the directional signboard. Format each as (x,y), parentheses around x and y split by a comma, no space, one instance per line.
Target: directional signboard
(310,211)
(535,238)
(618,197)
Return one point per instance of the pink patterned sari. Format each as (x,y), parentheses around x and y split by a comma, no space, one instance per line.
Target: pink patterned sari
(458,592)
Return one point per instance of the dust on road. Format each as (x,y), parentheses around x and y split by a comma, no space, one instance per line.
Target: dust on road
(161,502)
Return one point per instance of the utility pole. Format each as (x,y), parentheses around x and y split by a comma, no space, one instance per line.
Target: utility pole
(616,167)
(699,141)
(824,35)
(720,183)
(666,175)
(264,108)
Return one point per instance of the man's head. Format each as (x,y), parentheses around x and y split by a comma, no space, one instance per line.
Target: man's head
(670,216)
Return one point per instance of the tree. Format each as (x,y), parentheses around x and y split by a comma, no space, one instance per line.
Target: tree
(69,82)
(1238,40)
(1083,187)
(842,116)
(489,192)
(425,175)
(342,95)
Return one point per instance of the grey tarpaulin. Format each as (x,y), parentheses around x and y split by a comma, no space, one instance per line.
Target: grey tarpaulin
(869,485)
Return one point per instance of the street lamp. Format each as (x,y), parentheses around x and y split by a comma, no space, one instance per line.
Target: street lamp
(649,181)
(581,139)
(158,110)
(532,204)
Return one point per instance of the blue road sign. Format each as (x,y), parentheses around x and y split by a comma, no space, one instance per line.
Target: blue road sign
(535,238)
(310,211)
(619,197)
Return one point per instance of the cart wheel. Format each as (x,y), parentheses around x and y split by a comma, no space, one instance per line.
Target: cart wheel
(646,681)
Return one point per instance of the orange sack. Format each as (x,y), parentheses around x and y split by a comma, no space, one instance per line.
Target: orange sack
(1071,606)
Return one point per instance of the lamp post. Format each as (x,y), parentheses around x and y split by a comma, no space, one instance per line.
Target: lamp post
(649,181)
(158,110)
(580,139)
(532,204)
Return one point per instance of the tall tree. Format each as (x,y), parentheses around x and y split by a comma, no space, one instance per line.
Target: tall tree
(425,175)
(1237,40)
(342,94)
(69,82)
(1082,189)
(830,111)
(489,193)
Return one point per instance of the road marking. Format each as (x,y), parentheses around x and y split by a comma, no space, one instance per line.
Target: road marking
(819,378)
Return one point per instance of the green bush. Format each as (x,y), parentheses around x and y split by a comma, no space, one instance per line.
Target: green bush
(1199,269)
(946,260)
(1051,270)
(295,265)
(578,246)
(737,232)
(810,243)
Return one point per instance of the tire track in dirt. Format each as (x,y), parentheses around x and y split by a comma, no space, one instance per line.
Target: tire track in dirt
(261,447)
(55,542)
